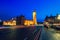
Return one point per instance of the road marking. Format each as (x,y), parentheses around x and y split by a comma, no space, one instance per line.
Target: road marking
(37,35)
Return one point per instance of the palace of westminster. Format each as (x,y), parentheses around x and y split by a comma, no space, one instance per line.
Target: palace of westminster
(21,20)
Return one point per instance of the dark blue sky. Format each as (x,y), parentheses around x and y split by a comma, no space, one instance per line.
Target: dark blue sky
(12,8)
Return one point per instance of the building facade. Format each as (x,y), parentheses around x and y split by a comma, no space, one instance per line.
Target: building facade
(53,19)
(9,22)
(31,22)
(20,20)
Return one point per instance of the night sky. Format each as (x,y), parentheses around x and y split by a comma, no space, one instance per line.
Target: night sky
(13,8)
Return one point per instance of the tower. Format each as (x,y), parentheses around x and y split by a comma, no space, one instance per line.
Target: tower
(34,17)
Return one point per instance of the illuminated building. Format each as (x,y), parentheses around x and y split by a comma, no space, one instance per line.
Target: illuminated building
(21,21)
(52,22)
(10,22)
(34,17)
(58,17)
(31,22)
(28,22)
(52,19)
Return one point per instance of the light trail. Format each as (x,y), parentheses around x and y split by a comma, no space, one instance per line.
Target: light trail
(3,27)
(6,27)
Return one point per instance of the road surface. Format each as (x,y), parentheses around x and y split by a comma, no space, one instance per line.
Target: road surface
(30,33)
(49,34)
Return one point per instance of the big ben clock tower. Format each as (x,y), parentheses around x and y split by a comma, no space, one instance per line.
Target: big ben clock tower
(34,17)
